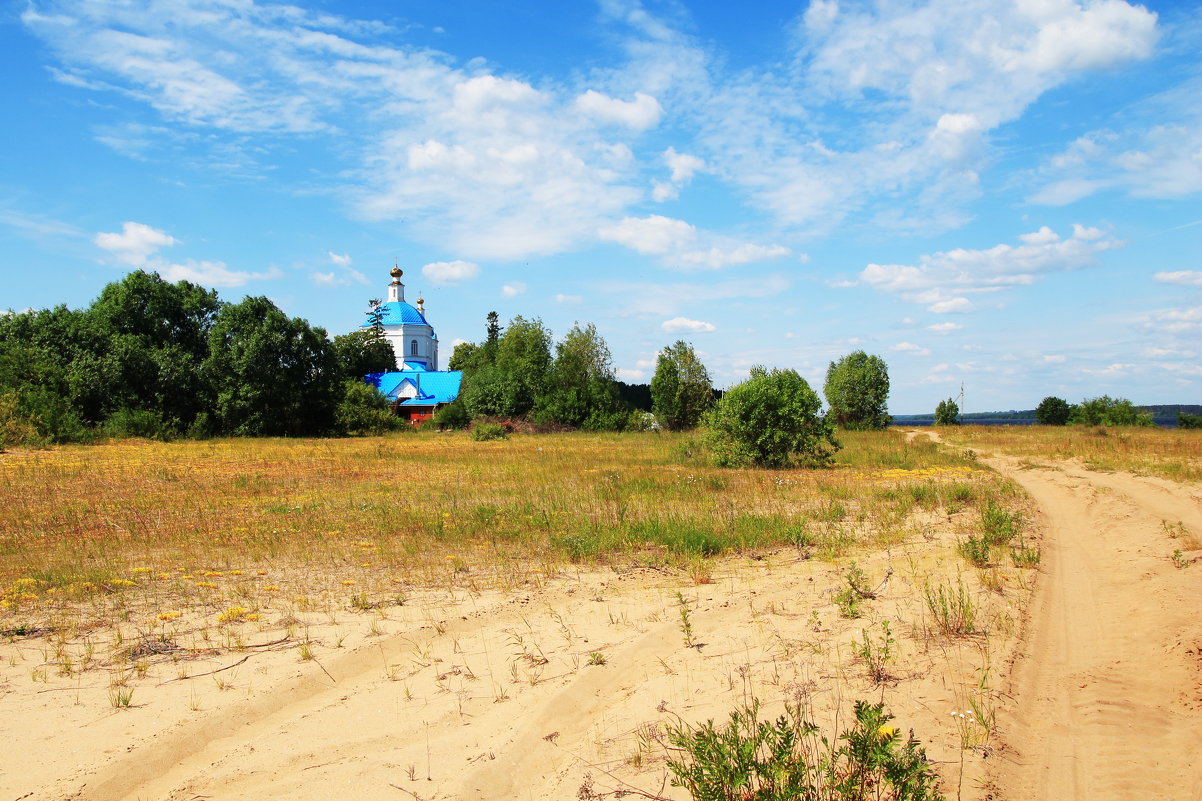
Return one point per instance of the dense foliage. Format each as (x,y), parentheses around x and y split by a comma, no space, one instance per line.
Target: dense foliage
(1052,411)
(772,420)
(1186,420)
(947,413)
(1108,411)
(857,392)
(152,358)
(681,390)
(513,374)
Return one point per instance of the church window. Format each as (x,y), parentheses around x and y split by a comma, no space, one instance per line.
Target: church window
(413,348)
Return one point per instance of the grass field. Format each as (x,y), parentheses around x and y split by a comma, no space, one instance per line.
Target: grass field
(1170,453)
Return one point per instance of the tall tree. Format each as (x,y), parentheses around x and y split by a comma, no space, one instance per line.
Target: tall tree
(271,375)
(580,389)
(681,390)
(857,392)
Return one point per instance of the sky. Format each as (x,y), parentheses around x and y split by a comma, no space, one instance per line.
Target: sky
(1003,196)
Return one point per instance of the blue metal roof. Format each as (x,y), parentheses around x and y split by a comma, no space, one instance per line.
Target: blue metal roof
(398,312)
(434,386)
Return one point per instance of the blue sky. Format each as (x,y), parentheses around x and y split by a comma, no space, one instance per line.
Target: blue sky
(1000,194)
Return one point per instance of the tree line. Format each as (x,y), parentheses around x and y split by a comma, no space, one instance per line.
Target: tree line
(158,359)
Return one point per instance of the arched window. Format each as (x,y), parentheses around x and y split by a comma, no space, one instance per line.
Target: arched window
(413,348)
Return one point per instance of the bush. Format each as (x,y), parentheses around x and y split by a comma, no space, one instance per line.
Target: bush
(142,423)
(770,420)
(485,432)
(1052,411)
(1185,420)
(1108,411)
(363,411)
(947,413)
(15,428)
(790,759)
(453,415)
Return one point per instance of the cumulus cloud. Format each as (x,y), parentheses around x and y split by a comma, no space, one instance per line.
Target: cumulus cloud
(450,272)
(685,325)
(568,299)
(910,347)
(678,243)
(944,328)
(943,281)
(513,289)
(641,113)
(137,245)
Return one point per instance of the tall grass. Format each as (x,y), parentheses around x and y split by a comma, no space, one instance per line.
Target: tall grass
(433,506)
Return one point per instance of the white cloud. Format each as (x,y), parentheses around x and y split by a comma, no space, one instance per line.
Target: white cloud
(513,289)
(910,347)
(214,274)
(677,242)
(629,376)
(136,243)
(344,276)
(942,281)
(1183,277)
(684,324)
(1053,359)
(568,299)
(451,272)
(944,328)
(641,113)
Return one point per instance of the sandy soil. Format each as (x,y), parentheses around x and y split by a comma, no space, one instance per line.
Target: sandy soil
(498,695)
(1109,689)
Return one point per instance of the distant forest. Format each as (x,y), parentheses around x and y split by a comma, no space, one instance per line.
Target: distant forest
(1158,411)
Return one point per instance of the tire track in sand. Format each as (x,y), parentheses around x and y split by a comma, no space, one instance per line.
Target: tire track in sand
(1109,687)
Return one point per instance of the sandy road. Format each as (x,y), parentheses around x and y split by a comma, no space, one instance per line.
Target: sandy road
(1108,694)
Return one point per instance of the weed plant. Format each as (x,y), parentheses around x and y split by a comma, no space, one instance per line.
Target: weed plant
(790,758)
(951,608)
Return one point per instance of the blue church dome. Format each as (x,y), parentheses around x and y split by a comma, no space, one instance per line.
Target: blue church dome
(398,312)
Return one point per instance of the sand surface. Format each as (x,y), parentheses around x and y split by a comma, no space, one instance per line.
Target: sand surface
(498,694)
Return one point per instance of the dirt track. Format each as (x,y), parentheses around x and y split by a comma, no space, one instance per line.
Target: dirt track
(1108,697)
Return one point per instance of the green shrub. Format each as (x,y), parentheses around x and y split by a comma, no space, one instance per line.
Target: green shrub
(770,420)
(453,415)
(975,550)
(1052,411)
(1185,420)
(363,411)
(485,432)
(15,428)
(142,423)
(789,758)
(1108,411)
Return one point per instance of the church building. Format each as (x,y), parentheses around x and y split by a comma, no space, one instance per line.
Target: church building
(417,388)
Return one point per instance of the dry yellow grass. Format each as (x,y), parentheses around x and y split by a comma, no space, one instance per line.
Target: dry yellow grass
(1170,453)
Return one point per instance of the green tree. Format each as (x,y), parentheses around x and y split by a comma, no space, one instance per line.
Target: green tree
(363,411)
(271,375)
(772,419)
(580,389)
(464,356)
(360,353)
(947,413)
(1108,411)
(857,392)
(1052,411)
(681,390)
